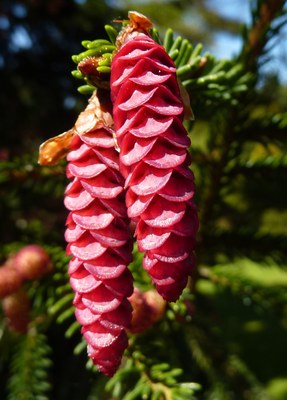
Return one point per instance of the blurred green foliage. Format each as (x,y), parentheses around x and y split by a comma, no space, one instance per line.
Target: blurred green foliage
(225,339)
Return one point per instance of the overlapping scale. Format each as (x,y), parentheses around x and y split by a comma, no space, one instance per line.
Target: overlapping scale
(154,160)
(98,237)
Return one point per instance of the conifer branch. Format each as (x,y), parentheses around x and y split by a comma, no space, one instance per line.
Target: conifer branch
(258,34)
(30,368)
(266,12)
(236,243)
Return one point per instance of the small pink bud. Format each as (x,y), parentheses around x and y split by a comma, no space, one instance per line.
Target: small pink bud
(10,280)
(156,304)
(32,262)
(16,308)
(88,66)
(148,308)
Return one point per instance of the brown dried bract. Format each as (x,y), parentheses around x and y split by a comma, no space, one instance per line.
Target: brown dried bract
(96,114)
(138,23)
(54,149)
(188,113)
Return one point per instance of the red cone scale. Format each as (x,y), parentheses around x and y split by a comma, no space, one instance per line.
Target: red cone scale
(99,239)
(154,159)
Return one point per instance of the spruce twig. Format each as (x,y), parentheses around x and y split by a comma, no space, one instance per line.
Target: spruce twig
(257,36)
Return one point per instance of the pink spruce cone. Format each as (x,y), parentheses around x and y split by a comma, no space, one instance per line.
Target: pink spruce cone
(154,159)
(99,239)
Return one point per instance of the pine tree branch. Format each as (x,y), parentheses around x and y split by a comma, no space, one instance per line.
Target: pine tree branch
(216,172)
(265,13)
(270,127)
(241,279)
(226,372)
(258,34)
(30,368)
(239,244)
